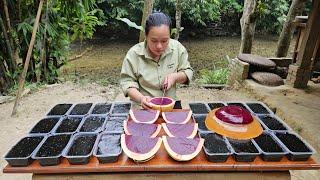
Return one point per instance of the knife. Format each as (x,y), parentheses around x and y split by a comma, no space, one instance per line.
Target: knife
(163,94)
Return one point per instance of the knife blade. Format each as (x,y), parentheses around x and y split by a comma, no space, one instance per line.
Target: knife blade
(163,94)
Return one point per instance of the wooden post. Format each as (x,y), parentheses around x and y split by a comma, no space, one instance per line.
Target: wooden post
(299,74)
(26,64)
(287,30)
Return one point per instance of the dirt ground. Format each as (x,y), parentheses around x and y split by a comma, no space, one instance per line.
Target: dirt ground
(34,106)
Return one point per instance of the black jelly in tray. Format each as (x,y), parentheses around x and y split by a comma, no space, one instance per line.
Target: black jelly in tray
(270,147)
(244,150)
(215,147)
(298,150)
(272,123)
(81,109)
(50,151)
(45,125)
(69,124)
(80,147)
(102,108)
(198,108)
(200,119)
(20,154)
(258,108)
(59,109)
(93,124)
(215,105)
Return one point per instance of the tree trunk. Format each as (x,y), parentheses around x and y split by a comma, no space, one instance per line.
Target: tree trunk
(7,16)
(147,9)
(26,64)
(296,8)
(178,18)
(14,50)
(8,46)
(248,24)
(5,81)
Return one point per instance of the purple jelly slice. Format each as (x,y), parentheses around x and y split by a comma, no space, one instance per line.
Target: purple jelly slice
(161,101)
(181,130)
(144,115)
(234,115)
(140,144)
(177,117)
(140,129)
(183,146)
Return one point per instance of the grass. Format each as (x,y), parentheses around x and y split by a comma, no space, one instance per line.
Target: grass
(218,76)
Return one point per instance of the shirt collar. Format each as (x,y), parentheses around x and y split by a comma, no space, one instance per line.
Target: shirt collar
(142,51)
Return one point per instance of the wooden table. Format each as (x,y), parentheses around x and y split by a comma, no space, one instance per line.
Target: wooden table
(163,165)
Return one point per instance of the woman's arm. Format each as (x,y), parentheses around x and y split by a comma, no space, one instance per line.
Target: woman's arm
(185,71)
(173,78)
(136,96)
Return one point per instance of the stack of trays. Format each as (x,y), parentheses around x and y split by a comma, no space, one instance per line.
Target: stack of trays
(73,131)
(278,139)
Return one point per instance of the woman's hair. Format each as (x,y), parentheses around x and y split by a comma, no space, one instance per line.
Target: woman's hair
(156,19)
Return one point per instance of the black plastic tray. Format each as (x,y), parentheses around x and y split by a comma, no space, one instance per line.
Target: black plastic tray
(274,154)
(51,160)
(216,104)
(200,119)
(120,108)
(115,120)
(273,123)
(217,140)
(63,108)
(108,157)
(199,108)
(296,140)
(49,124)
(26,159)
(66,122)
(258,108)
(101,109)
(86,124)
(80,159)
(243,156)
(80,109)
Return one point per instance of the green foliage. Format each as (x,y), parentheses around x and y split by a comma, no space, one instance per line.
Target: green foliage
(272,15)
(62,22)
(218,76)
(198,14)
(194,12)
(114,9)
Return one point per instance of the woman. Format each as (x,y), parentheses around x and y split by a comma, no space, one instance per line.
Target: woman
(153,67)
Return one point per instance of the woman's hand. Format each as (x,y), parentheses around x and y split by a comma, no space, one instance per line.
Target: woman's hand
(145,102)
(169,81)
